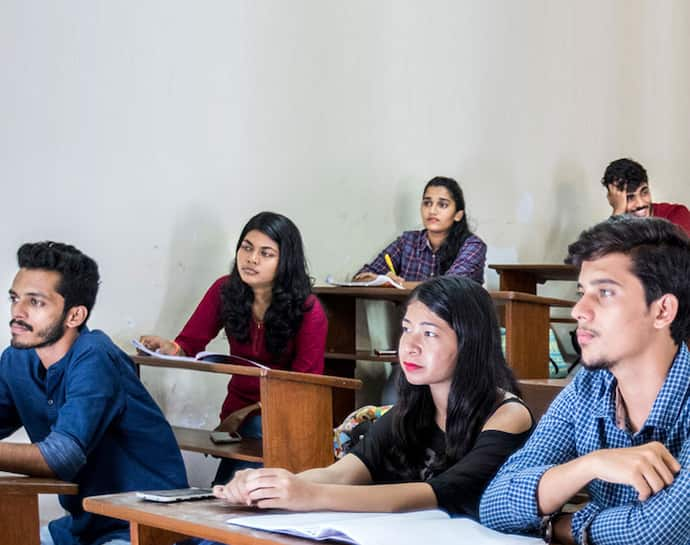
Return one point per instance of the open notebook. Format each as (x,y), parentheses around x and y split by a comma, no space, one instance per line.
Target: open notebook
(382,528)
(380,281)
(208,357)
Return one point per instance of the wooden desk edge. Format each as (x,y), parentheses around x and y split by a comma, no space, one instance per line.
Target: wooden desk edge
(227,369)
(496,295)
(21,485)
(546,382)
(518,296)
(124,507)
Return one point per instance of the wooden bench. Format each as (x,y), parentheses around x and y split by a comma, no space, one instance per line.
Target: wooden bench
(19,519)
(296,416)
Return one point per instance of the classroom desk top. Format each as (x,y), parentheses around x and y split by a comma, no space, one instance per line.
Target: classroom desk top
(19,519)
(525,277)
(378,293)
(162,524)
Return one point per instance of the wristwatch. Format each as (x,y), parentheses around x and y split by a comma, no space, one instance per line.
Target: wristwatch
(547,523)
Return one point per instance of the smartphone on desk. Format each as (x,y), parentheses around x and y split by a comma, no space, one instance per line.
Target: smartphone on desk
(224,437)
(178,494)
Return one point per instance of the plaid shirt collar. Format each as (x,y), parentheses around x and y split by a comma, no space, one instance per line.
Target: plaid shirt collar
(668,401)
(423,242)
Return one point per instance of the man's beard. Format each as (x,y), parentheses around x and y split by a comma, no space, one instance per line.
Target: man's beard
(49,336)
(597,365)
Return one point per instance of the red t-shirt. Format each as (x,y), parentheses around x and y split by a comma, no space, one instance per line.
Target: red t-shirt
(303,353)
(675,213)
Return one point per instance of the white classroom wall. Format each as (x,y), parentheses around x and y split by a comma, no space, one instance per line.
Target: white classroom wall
(146,133)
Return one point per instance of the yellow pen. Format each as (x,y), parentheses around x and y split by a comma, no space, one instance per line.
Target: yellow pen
(389,262)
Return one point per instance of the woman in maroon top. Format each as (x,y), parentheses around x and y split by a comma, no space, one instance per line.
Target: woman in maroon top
(268,313)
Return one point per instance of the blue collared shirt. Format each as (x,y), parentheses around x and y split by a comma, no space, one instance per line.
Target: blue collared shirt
(95,424)
(582,419)
(414,259)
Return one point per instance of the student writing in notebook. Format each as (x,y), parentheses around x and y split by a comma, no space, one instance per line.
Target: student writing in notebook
(445,246)
(269,314)
(456,421)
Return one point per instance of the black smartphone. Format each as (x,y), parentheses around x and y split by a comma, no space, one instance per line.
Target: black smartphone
(222,437)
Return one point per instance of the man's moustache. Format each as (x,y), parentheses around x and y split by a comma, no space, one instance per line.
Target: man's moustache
(22,324)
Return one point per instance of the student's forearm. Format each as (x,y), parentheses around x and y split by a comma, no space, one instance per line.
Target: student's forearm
(322,475)
(25,459)
(388,498)
(562,482)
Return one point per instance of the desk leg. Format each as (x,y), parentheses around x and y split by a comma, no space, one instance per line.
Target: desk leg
(527,339)
(343,399)
(19,519)
(342,324)
(147,535)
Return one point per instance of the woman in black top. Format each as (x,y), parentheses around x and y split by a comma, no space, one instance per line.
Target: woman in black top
(456,421)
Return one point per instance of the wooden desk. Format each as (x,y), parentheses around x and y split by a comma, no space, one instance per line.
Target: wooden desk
(164,524)
(526,322)
(539,393)
(19,506)
(525,278)
(296,416)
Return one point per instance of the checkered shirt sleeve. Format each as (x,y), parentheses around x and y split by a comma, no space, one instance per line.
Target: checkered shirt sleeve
(470,260)
(509,503)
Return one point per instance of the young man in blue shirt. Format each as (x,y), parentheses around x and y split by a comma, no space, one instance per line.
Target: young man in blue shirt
(621,428)
(89,418)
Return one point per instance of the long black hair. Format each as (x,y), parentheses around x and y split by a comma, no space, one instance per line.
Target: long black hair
(459,231)
(291,286)
(480,377)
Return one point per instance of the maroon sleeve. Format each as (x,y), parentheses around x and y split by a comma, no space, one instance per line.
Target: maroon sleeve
(680,216)
(310,341)
(205,323)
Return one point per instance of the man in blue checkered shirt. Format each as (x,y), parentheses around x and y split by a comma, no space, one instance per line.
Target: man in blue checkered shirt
(621,428)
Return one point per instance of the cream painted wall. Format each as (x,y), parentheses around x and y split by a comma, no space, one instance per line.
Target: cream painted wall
(147,133)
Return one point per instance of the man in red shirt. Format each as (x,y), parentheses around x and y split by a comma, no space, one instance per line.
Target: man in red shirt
(627,191)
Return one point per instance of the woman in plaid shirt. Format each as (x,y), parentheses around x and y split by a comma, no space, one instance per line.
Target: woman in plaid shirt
(445,246)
